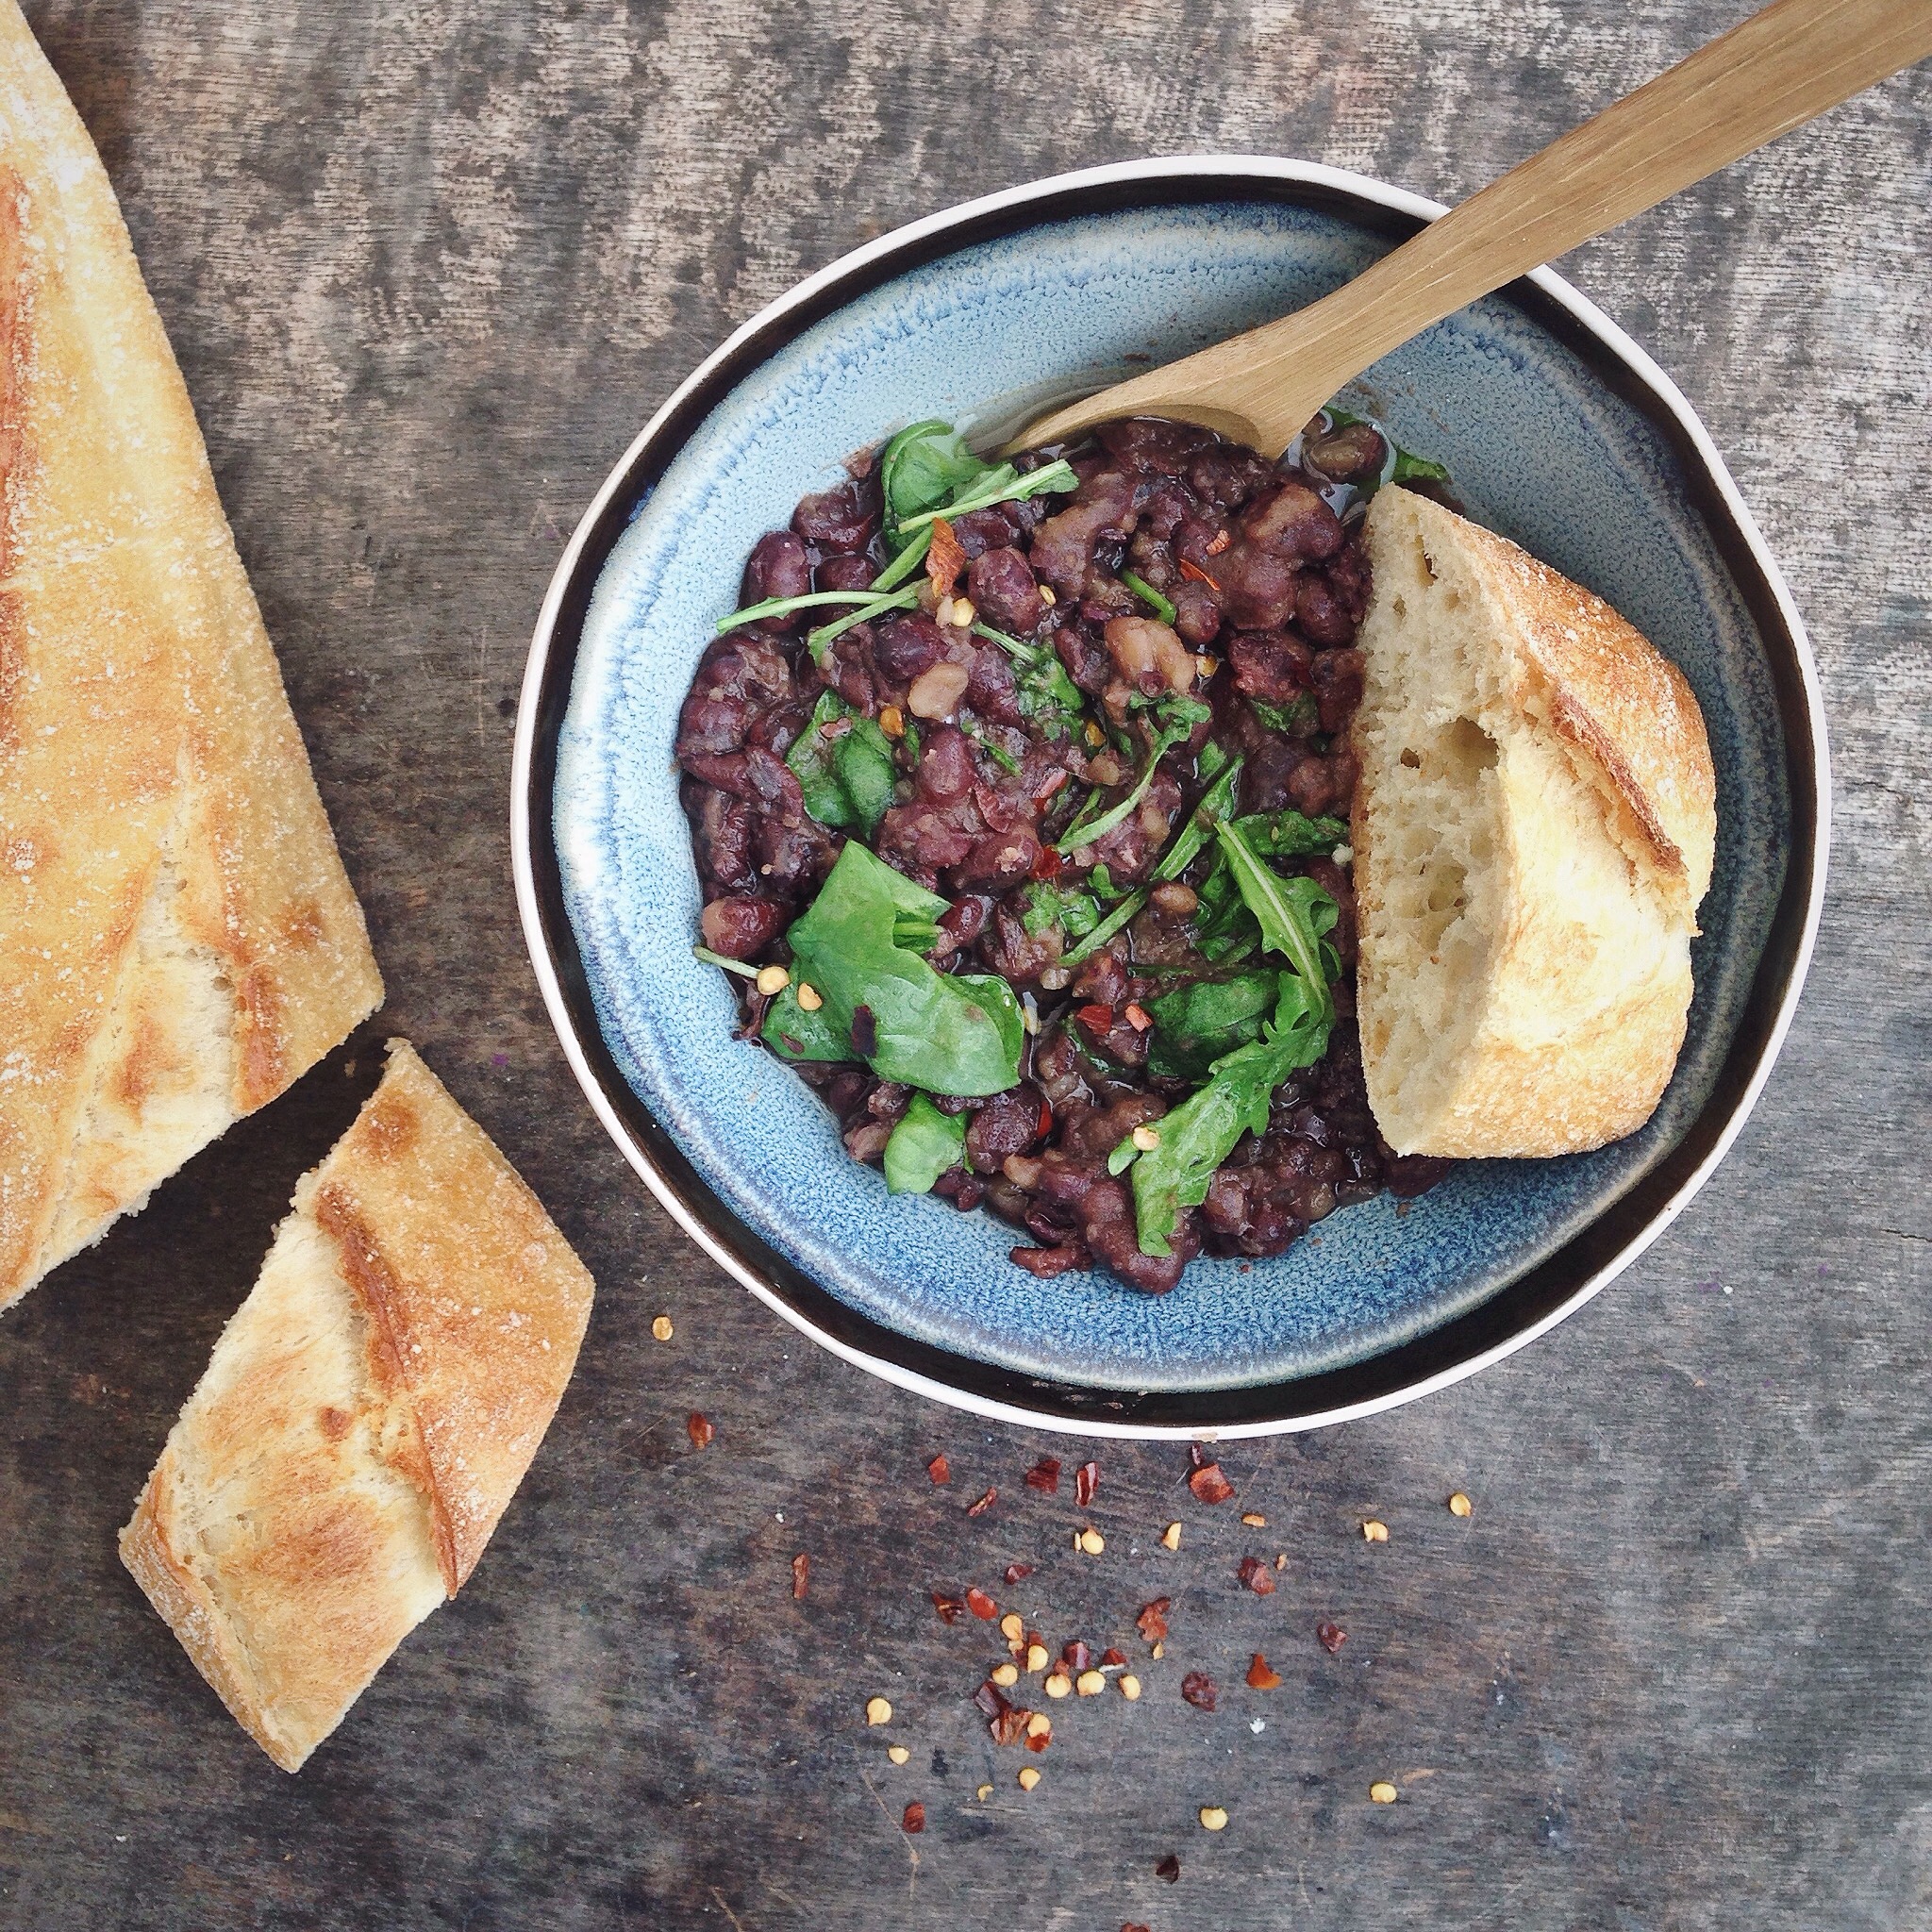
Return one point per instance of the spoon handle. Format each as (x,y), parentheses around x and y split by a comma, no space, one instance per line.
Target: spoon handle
(1780,68)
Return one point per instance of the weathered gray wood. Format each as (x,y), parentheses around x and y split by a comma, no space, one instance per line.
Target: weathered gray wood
(426,269)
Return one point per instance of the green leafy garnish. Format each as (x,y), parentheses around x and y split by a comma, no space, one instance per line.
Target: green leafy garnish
(1045,690)
(1292,915)
(1409,468)
(1161,608)
(925,1145)
(1197,1023)
(784,606)
(1106,929)
(847,777)
(1296,721)
(737,966)
(1003,483)
(820,640)
(924,467)
(1182,714)
(1290,835)
(1214,806)
(860,944)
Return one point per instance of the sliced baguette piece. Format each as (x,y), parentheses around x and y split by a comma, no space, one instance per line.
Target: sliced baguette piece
(1534,827)
(178,941)
(365,1418)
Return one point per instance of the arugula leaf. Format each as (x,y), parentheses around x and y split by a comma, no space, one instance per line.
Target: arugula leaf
(1215,804)
(1293,721)
(1410,469)
(1106,929)
(1169,735)
(1161,605)
(784,606)
(859,946)
(1196,1023)
(1204,1130)
(924,467)
(1401,467)
(925,1145)
(1001,485)
(1285,909)
(1290,835)
(846,781)
(819,642)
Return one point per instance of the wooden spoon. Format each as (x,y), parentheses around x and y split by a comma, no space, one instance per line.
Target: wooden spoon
(1776,71)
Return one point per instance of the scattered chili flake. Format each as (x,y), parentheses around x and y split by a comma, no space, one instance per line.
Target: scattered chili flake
(1045,1476)
(945,559)
(1331,1637)
(1198,1456)
(990,1699)
(698,1427)
(1222,538)
(939,1469)
(1038,1741)
(1168,1868)
(1085,1481)
(1016,1571)
(1253,1519)
(984,1503)
(1260,1676)
(951,1608)
(914,1819)
(1254,1574)
(801,1573)
(1152,1621)
(1133,1929)
(1112,1659)
(1209,1485)
(1197,1686)
(1076,1658)
(1097,1019)
(1199,575)
(980,1604)
(1008,1725)
(1137,1016)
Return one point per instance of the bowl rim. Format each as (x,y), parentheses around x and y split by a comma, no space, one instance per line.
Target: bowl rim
(1507,1320)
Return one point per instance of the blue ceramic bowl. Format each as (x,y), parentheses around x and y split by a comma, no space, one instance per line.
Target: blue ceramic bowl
(1558,431)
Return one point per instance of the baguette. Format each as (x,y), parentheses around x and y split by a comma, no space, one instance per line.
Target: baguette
(1534,827)
(178,941)
(365,1418)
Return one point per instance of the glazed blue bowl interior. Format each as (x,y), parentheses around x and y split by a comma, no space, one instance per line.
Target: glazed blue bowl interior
(1539,448)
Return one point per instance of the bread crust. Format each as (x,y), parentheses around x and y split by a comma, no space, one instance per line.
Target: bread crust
(159,820)
(366,1417)
(1571,1020)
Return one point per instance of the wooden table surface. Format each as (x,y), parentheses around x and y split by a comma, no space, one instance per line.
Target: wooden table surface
(427,267)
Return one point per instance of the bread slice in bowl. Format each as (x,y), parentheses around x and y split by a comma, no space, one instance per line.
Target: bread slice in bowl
(1534,827)
(178,941)
(365,1418)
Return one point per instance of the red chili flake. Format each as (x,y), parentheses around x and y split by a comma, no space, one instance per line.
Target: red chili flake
(698,1427)
(1260,1677)
(801,1573)
(939,1469)
(1221,541)
(1152,1621)
(1199,575)
(1045,1476)
(1048,786)
(1198,1456)
(1016,1571)
(1197,1686)
(1076,1658)
(990,1700)
(1331,1637)
(1038,1741)
(1046,1127)
(1085,1481)
(1209,1485)
(1133,1929)
(1097,1019)
(1169,1868)
(1253,1573)
(1009,1726)
(951,1608)
(1047,864)
(1111,1659)
(1137,1016)
(915,1817)
(984,1503)
(981,1605)
(945,559)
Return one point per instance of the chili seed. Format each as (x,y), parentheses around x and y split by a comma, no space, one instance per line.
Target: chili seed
(1213,1818)
(1131,1686)
(1091,1542)
(1039,1725)
(1089,1683)
(660,1328)
(892,721)
(1254,1520)
(1146,1138)
(772,979)
(1382,1792)
(1459,1505)
(897,1753)
(1012,1628)
(1005,1676)
(1047,596)
(1171,1537)
(983,1793)
(1374,1532)
(1058,1685)
(878,1711)
(1036,1657)
(809,997)
(1029,1778)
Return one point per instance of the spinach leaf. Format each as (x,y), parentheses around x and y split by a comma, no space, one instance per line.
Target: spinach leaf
(846,779)
(1204,1130)
(1196,1023)
(1290,835)
(1294,721)
(1074,911)
(924,1145)
(859,946)
(794,1033)
(1410,469)
(923,468)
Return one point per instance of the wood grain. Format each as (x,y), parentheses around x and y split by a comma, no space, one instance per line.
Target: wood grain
(427,269)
